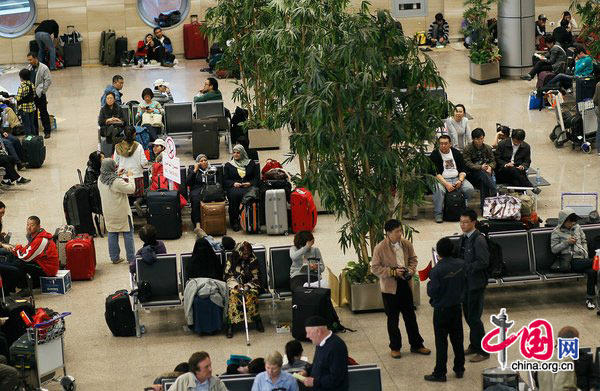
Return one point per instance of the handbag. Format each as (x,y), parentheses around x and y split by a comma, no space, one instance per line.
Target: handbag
(152,119)
(562,263)
(502,208)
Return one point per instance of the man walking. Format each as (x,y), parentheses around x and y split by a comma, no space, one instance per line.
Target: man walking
(40,77)
(445,289)
(395,262)
(474,251)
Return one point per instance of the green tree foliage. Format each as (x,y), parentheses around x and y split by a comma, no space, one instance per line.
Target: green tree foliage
(482,50)
(589,14)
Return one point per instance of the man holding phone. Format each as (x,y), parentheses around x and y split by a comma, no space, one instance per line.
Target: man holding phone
(395,262)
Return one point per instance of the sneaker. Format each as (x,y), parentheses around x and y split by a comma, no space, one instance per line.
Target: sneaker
(117,261)
(589,304)
(200,233)
(434,377)
(7,182)
(479,357)
(526,77)
(439,219)
(22,181)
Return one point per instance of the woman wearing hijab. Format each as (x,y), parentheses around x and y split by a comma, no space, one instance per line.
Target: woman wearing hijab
(239,175)
(92,172)
(204,263)
(115,206)
(241,275)
(196,180)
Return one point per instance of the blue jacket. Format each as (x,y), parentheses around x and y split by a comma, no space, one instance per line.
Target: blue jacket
(111,88)
(584,66)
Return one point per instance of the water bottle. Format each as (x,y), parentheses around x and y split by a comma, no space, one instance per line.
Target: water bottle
(538,176)
(494,179)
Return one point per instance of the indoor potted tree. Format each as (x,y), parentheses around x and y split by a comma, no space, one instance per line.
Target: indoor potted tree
(484,55)
(355,89)
(589,15)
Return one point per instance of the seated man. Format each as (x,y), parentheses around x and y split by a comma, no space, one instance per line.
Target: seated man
(562,34)
(9,163)
(15,149)
(209,92)
(450,170)
(199,376)
(115,88)
(164,41)
(438,31)
(583,67)
(162,93)
(38,258)
(513,157)
(551,61)
(480,163)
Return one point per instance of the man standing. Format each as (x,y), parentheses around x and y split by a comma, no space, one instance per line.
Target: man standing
(44,35)
(40,77)
(200,375)
(513,158)
(115,88)
(209,92)
(445,289)
(474,251)
(329,370)
(480,163)
(395,262)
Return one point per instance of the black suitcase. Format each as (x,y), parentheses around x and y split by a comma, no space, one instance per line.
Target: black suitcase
(11,308)
(119,315)
(120,50)
(72,55)
(208,317)
(34,47)
(34,150)
(489,226)
(205,137)
(106,148)
(78,211)
(584,88)
(164,213)
(454,204)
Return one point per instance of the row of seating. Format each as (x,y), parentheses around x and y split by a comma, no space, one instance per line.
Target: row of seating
(168,284)
(528,256)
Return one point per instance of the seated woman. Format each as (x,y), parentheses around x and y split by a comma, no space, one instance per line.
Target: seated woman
(158,180)
(293,352)
(569,244)
(204,262)
(151,248)
(458,128)
(239,175)
(196,180)
(151,107)
(303,250)
(140,57)
(241,275)
(244,142)
(111,114)
(92,172)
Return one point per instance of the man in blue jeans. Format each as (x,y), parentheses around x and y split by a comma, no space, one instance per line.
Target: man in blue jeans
(44,33)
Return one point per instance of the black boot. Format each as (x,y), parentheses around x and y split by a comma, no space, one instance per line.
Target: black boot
(229,331)
(259,324)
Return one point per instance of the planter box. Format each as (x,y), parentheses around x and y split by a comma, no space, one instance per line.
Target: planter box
(365,297)
(484,73)
(264,138)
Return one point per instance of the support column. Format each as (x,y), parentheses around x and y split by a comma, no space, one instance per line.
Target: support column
(516,36)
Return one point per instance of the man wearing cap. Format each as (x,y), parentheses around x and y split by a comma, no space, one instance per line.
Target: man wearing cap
(162,93)
(540,26)
(329,370)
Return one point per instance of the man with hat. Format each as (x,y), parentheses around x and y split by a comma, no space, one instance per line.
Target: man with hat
(540,26)
(329,370)
(162,93)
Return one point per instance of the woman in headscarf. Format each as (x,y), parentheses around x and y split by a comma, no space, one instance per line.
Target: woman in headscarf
(115,206)
(204,262)
(92,172)
(239,175)
(196,180)
(241,275)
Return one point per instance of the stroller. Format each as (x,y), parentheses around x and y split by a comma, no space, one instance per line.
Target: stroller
(570,126)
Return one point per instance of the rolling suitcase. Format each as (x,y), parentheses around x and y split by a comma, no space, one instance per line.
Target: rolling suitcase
(250,217)
(81,257)
(72,53)
(64,234)
(213,218)
(34,150)
(107,47)
(454,204)
(195,44)
(585,87)
(78,212)
(272,185)
(208,317)
(164,213)
(205,137)
(119,314)
(34,47)
(304,210)
(276,213)
(120,50)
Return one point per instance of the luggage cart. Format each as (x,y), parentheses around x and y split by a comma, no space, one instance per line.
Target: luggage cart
(564,130)
(581,203)
(590,122)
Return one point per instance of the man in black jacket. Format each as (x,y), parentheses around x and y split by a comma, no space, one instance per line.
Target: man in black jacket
(162,41)
(450,171)
(329,370)
(562,35)
(513,158)
(474,250)
(552,61)
(445,289)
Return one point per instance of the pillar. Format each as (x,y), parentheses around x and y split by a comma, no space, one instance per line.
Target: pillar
(516,36)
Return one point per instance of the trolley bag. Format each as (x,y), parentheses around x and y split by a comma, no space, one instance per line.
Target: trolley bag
(205,137)
(276,213)
(120,50)
(250,216)
(213,218)
(34,150)
(274,184)
(164,213)
(81,257)
(72,54)
(107,56)
(207,316)
(63,235)
(195,44)
(119,314)
(78,211)
(304,211)
(489,226)
(11,308)
(585,87)
(454,204)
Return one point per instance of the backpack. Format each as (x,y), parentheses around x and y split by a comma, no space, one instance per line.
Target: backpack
(142,136)
(420,38)
(496,266)
(454,204)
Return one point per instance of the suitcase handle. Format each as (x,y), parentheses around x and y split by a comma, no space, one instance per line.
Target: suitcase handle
(194,19)
(318,262)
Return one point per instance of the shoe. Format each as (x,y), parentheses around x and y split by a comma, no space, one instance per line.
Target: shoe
(396,354)
(526,77)
(470,351)
(459,375)
(22,181)
(117,261)
(439,219)
(479,357)
(422,350)
(589,304)
(47,136)
(236,227)
(137,204)
(229,331)
(259,325)
(434,377)
(598,312)
(536,190)
(199,232)
(7,182)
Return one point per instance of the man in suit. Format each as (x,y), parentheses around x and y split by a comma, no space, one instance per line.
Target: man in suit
(552,61)
(513,158)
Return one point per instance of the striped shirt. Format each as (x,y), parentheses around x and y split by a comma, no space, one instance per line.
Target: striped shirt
(25,96)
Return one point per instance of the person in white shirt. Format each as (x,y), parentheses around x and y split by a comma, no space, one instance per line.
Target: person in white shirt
(568,17)
(458,128)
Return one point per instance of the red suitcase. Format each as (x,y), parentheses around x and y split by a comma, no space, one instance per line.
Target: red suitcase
(195,45)
(304,211)
(81,257)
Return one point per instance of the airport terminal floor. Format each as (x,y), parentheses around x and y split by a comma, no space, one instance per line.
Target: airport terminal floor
(100,361)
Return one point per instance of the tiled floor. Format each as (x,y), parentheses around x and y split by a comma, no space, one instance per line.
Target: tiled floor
(100,361)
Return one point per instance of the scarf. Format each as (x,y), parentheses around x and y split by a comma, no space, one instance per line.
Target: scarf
(125,149)
(108,172)
(203,171)
(242,162)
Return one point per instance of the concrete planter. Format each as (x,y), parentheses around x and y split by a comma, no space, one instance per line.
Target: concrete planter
(484,73)
(365,297)
(264,138)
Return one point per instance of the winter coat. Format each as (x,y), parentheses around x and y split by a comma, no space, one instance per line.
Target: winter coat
(115,204)
(41,249)
(131,157)
(148,249)
(384,258)
(560,235)
(157,172)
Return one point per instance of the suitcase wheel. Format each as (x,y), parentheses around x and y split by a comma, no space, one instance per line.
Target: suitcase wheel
(559,143)
(586,147)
